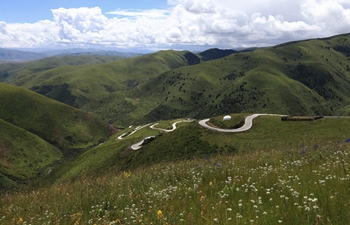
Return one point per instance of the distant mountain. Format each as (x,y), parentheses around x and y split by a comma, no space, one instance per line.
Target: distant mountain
(215,53)
(9,55)
(89,51)
(14,55)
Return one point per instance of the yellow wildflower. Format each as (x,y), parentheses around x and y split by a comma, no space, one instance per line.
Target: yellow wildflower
(160,214)
(20,220)
(126,174)
(210,183)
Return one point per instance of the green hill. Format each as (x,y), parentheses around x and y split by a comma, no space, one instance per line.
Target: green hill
(58,124)
(215,53)
(36,131)
(20,72)
(23,155)
(87,86)
(309,77)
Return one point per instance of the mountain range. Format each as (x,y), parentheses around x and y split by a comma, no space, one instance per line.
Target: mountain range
(58,113)
(18,55)
(304,77)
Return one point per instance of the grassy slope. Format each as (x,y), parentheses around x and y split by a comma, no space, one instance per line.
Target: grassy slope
(59,124)
(304,184)
(23,155)
(190,140)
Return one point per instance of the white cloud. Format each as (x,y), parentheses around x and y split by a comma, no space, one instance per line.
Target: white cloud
(185,24)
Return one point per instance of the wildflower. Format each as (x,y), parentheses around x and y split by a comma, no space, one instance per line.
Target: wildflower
(210,183)
(202,198)
(348,140)
(160,214)
(127,174)
(20,220)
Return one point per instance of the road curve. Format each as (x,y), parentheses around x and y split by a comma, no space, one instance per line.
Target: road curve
(247,124)
(138,145)
(173,126)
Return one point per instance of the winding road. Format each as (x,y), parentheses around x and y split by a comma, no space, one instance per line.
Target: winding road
(136,129)
(173,126)
(248,123)
(138,145)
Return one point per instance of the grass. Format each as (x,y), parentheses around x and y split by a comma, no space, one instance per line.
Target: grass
(265,187)
(270,132)
(58,124)
(23,155)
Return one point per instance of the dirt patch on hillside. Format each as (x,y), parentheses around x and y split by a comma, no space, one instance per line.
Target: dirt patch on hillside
(301,118)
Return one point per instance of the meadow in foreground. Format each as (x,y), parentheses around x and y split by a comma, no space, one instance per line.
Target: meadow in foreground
(307,185)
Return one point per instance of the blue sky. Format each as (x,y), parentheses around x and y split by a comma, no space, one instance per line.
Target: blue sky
(168,24)
(29,11)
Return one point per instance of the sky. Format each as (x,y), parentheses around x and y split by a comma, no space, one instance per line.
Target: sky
(152,25)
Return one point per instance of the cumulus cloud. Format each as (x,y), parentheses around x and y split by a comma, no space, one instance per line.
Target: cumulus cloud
(185,24)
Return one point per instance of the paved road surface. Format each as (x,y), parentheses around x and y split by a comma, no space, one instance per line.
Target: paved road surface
(136,129)
(247,125)
(138,145)
(173,126)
